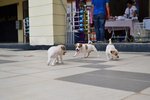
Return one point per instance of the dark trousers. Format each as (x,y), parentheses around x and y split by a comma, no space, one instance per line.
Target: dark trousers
(99,24)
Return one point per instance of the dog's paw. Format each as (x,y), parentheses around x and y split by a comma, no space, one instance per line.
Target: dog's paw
(57,62)
(86,57)
(74,55)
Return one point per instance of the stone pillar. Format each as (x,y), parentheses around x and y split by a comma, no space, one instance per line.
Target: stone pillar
(20,17)
(47,22)
(59,21)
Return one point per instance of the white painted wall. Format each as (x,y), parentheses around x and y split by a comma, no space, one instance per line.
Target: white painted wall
(41,22)
(59,19)
(47,22)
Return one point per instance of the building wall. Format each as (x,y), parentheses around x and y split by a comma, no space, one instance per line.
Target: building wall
(47,22)
(20,14)
(41,22)
(59,21)
(20,17)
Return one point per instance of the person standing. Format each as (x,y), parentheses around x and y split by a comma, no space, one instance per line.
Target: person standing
(101,11)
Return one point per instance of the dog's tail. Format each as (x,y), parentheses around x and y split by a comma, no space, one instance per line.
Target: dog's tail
(90,42)
(110,42)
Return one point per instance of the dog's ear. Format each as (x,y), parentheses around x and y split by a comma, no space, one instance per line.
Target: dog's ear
(112,52)
(80,45)
(63,47)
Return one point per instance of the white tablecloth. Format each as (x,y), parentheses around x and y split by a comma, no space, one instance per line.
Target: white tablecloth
(121,25)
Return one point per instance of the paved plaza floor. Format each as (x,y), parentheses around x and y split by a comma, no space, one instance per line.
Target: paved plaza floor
(24,75)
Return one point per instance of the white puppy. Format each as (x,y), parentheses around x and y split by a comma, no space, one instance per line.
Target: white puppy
(86,49)
(111,51)
(55,53)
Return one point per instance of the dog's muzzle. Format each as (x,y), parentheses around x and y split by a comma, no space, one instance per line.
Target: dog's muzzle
(77,50)
(117,56)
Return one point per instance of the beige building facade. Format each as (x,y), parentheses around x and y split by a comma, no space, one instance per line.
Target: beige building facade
(47,22)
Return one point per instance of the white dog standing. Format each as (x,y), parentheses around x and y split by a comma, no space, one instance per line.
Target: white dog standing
(111,51)
(86,49)
(55,53)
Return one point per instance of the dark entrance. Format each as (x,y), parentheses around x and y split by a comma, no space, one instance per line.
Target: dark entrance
(8,17)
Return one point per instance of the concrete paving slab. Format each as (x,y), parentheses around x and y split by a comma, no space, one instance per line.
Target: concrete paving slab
(146,91)
(109,79)
(140,64)
(58,90)
(54,73)
(8,68)
(93,78)
(98,65)
(26,71)
(138,97)
(86,60)
(18,80)
(6,61)
(7,75)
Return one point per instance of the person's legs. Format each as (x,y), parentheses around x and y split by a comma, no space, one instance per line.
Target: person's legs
(99,25)
(102,27)
(96,27)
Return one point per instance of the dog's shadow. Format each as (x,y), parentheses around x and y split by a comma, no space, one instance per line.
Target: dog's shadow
(86,60)
(60,63)
(120,59)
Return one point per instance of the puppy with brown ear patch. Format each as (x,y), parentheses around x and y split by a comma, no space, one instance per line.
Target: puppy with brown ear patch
(86,49)
(55,54)
(111,51)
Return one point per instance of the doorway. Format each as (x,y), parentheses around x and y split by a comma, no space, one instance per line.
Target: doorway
(8,17)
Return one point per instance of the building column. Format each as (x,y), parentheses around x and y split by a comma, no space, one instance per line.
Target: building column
(20,17)
(47,22)
(59,21)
